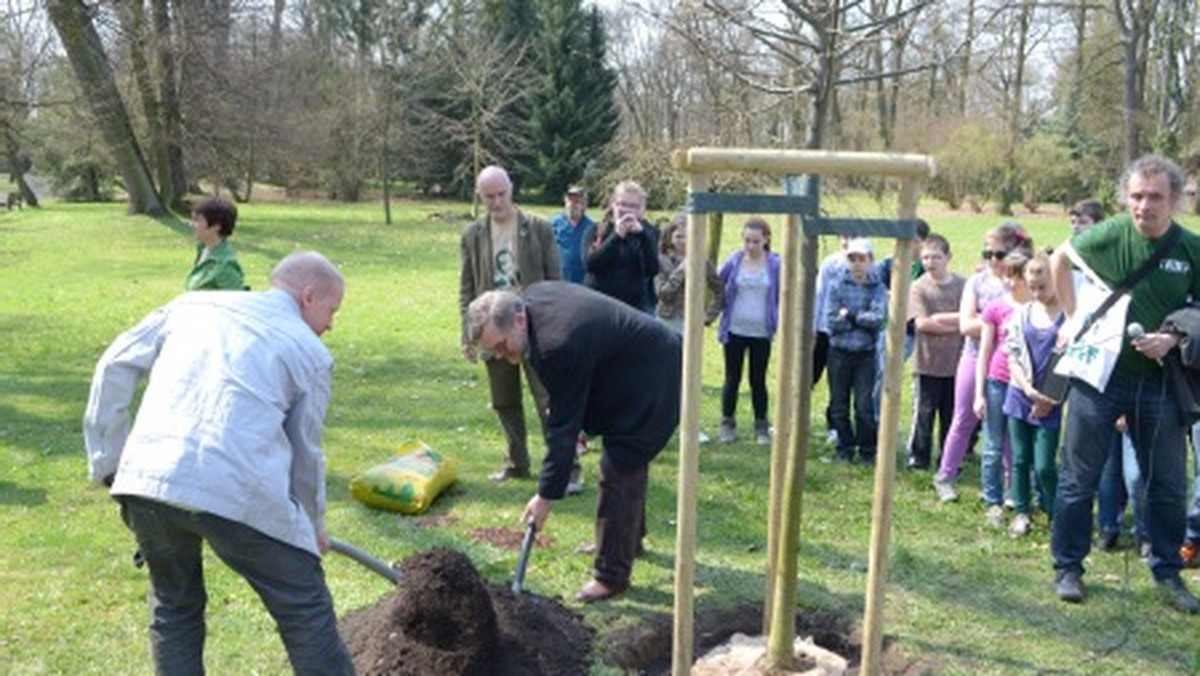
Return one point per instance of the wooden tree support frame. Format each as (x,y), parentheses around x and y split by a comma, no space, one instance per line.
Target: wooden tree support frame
(789,449)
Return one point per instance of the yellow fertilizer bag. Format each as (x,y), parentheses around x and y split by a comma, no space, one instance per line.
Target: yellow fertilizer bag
(408,483)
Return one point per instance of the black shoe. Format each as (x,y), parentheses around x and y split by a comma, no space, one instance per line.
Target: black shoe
(1069,586)
(507,473)
(1108,540)
(1178,595)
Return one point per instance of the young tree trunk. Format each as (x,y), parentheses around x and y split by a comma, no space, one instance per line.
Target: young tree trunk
(72,21)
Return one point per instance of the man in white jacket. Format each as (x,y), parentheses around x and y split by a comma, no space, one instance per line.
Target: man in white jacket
(225,449)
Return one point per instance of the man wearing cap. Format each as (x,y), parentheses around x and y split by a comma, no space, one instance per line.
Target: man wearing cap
(506,249)
(569,227)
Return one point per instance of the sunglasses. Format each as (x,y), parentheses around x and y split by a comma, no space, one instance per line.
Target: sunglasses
(993,255)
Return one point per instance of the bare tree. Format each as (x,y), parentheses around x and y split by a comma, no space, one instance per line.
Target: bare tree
(73,22)
(1134,20)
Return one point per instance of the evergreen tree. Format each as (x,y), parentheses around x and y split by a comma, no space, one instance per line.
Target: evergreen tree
(574,112)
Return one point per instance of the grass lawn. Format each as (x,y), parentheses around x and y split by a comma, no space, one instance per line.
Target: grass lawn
(961,599)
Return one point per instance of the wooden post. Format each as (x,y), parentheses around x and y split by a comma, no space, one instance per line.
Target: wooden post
(689,436)
(716,224)
(793,432)
(781,632)
(787,395)
(885,468)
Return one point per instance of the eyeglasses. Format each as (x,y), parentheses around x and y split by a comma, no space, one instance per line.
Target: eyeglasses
(993,255)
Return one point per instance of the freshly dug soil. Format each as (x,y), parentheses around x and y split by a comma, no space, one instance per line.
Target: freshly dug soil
(446,620)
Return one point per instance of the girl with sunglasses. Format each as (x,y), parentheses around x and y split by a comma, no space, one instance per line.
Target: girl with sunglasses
(986,285)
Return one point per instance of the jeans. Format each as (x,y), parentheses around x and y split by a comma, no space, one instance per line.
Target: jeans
(853,372)
(1033,447)
(1108,503)
(290,582)
(1157,431)
(1193,516)
(995,443)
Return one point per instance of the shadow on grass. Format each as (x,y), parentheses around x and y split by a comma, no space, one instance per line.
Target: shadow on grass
(966,584)
(16,494)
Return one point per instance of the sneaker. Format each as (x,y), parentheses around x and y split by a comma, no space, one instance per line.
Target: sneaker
(762,433)
(1068,585)
(575,483)
(916,464)
(703,438)
(995,516)
(1189,552)
(728,432)
(945,490)
(1178,595)
(1019,526)
(507,473)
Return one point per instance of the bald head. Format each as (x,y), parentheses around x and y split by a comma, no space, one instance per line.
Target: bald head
(315,283)
(495,191)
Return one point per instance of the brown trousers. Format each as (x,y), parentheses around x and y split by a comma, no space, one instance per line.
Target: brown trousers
(504,380)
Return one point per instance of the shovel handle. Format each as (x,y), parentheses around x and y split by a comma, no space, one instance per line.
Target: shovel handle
(523,559)
(349,550)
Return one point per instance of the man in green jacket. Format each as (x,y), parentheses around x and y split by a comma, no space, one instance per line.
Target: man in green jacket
(506,249)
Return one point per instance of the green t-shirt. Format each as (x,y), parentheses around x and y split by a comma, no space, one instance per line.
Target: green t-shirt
(1114,249)
(218,270)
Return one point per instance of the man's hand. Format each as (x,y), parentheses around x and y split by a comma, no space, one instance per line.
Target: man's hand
(468,353)
(323,542)
(1156,345)
(537,510)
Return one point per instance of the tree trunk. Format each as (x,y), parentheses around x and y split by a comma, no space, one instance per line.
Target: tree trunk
(73,23)
(174,178)
(17,166)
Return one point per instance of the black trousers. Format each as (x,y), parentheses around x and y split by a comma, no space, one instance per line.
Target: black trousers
(620,519)
(736,348)
(934,399)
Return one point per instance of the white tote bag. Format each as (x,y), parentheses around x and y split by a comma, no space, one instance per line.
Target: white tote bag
(1092,357)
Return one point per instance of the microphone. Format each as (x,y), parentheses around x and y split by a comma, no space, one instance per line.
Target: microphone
(1136,331)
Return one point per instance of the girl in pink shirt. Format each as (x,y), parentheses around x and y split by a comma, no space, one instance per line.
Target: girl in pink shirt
(991,383)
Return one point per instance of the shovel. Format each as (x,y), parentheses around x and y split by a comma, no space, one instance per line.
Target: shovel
(523,559)
(346,549)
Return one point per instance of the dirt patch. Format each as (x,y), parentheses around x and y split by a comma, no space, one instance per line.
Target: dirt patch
(446,620)
(507,538)
(645,649)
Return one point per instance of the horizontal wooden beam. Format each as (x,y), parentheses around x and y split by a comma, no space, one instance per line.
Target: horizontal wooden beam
(744,203)
(861,227)
(704,160)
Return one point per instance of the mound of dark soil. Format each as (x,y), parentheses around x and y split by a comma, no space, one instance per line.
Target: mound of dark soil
(446,620)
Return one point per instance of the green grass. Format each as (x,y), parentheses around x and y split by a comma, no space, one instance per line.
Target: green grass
(960,599)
